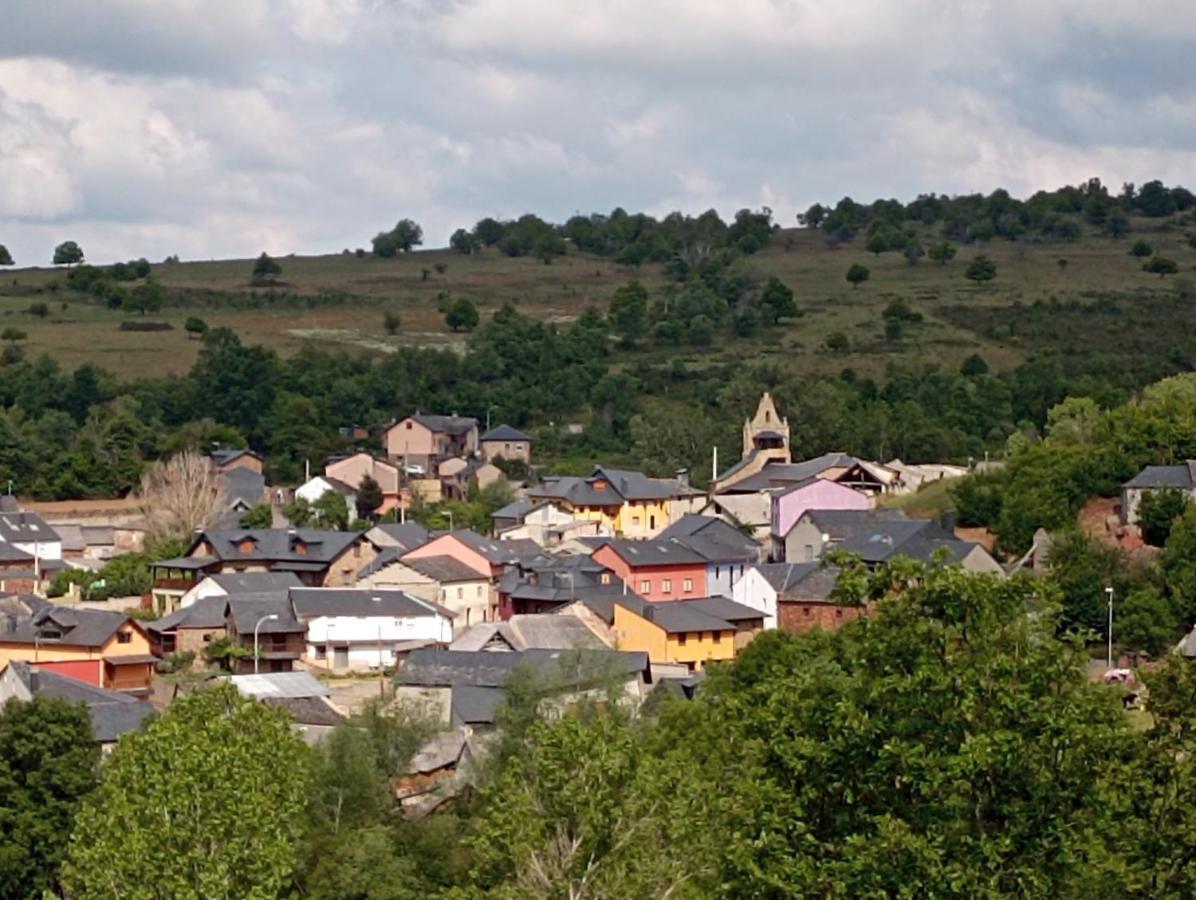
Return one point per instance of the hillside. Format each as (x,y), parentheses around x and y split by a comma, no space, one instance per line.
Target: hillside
(1105,302)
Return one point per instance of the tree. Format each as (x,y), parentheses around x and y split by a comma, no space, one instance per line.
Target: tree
(812,217)
(1157,512)
(391,321)
(298,512)
(1145,620)
(942,253)
(462,315)
(259,515)
(628,312)
(5,256)
(384,245)
(369,497)
(1161,266)
(857,274)
(407,235)
(776,301)
(331,510)
(48,765)
(147,297)
(464,242)
(980,270)
(265,270)
(195,327)
(973,366)
(12,335)
(489,231)
(40,310)
(1117,224)
(1141,249)
(67,254)
(206,802)
(837,342)
(914,252)
(179,495)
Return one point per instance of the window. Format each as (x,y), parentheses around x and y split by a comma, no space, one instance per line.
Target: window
(681,639)
(718,637)
(123,637)
(460,593)
(651,521)
(207,638)
(635,520)
(688,585)
(808,612)
(408,426)
(606,577)
(479,592)
(321,651)
(718,571)
(838,614)
(809,554)
(667,585)
(645,586)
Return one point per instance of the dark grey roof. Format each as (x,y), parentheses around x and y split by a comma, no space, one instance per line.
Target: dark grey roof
(712,538)
(515,510)
(307,710)
(498,552)
(845,524)
(10,553)
(779,474)
(505,433)
(224,457)
(735,469)
(676,617)
(246,610)
(278,544)
(805,581)
(385,557)
(455,425)
(406,535)
(255,582)
(446,668)
(1181,476)
(656,552)
(723,608)
(620,485)
(25,527)
(186,562)
(919,539)
(311,602)
(473,705)
(78,627)
(112,713)
(681,686)
(206,612)
(443,569)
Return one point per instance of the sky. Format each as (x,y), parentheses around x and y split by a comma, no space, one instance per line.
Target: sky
(221,128)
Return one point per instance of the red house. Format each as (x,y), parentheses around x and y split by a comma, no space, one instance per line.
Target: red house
(656,569)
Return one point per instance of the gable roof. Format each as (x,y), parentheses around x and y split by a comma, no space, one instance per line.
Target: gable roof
(454,425)
(609,487)
(224,457)
(505,433)
(807,581)
(245,611)
(206,612)
(443,569)
(723,608)
(279,684)
(545,631)
(655,552)
(277,545)
(498,552)
(79,627)
(334,602)
(25,527)
(255,582)
(777,474)
(445,668)
(712,538)
(676,617)
(516,510)
(844,524)
(112,713)
(920,539)
(406,535)
(1181,476)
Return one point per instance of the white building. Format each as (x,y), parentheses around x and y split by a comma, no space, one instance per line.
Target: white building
(356,629)
(226,583)
(320,485)
(29,532)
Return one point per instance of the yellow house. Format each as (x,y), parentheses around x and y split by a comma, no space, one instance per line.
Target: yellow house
(684,631)
(625,503)
(100,647)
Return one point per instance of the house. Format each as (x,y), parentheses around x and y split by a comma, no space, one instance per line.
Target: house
(301,694)
(235,458)
(457,476)
(795,596)
(692,633)
(403,536)
(765,441)
(624,502)
(100,647)
(656,569)
(225,584)
(28,532)
(545,522)
(24,573)
(267,620)
(190,628)
(420,441)
(467,688)
(819,530)
(484,555)
(790,503)
(912,477)
(354,629)
(538,631)
(506,442)
(547,584)
(923,540)
(316,487)
(319,558)
(241,488)
(752,511)
(438,579)
(437,773)
(352,469)
(869,477)
(727,550)
(1179,477)
(112,713)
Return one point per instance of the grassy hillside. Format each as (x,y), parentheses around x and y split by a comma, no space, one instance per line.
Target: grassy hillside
(340,301)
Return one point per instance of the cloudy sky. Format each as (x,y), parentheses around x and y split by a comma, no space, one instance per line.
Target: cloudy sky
(215,128)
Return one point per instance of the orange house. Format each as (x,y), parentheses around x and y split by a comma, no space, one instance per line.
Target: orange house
(676,632)
(100,647)
(656,569)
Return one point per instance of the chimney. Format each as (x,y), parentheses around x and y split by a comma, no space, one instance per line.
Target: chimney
(947,522)
(682,476)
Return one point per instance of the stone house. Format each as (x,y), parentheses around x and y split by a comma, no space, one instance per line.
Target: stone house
(507,442)
(420,441)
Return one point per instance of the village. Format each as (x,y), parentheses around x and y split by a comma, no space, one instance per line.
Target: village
(628,582)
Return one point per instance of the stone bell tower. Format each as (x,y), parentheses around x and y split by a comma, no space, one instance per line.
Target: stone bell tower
(767,433)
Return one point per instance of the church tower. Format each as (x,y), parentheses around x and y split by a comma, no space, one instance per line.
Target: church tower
(766,432)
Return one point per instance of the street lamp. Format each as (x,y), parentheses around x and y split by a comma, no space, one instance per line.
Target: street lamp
(273,617)
(1109,594)
(381,666)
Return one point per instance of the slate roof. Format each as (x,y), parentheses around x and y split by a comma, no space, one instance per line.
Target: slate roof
(454,425)
(312,602)
(678,616)
(473,705)
(25,527)
(778,474)
(498,552)
(723,608)
(112,713)
(406,535)
(280,684)
(385,557)
(443,569)
(544,631)
(79,627)
(712,538)
(307,710)
(515,510)
(505,433)
(246,610)
(919,539)
(807,581)
(656,552)
(224,457)
(445,668)
(844,524)
(278,544)
(1181,476)
(206,612)
(10,553)
(255,582)
(245,485)
(621,485)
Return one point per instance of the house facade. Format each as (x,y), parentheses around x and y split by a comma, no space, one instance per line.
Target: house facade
(437,579)
(655,570)
(791,503)
(351,470)
(1179,477)
(625,503)
(506,442)
(796,597)
(421,440)
(678,632)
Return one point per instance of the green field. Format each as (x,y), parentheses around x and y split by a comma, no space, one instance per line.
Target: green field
(339,301)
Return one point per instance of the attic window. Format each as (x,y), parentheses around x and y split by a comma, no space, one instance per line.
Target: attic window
(50,634)
(600,485)
(247,545)
(301,547)
(123,637)
(408,426)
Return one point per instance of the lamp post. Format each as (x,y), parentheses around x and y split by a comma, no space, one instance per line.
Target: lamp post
(272,617)
(1109,594)
(381,667)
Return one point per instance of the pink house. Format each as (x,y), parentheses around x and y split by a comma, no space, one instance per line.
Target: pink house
(351,469)
(791,503)
(656,569)
(485,556)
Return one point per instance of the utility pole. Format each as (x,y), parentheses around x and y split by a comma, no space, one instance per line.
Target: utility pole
(1109,593)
